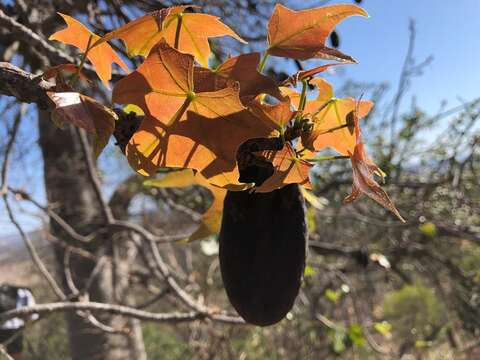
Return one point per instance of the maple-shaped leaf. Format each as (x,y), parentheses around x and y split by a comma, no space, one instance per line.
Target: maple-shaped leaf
(86,113)
(161,85)
(329,130)
(192,30)
(302,34)
(242,68)
(212,218)
(183,127)
(274,116)
(102,56)
(332,118)
(288,169)
(324,94)
(305,74)
(363,174)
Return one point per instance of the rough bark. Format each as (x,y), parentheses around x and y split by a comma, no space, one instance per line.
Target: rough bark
(68,188)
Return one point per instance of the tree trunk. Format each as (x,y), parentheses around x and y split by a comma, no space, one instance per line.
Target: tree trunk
(70,192)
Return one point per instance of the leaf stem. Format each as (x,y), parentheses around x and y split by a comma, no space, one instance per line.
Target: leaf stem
(328,158)
(303,96)
(177,31)
(334,129)
(82,61)
(263,62)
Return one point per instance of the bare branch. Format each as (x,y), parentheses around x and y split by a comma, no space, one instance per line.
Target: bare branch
(30,37)
(23,85)
(173,317)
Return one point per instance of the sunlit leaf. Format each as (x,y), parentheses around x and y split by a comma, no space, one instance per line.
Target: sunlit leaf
(309,271)
(274,116)
(212,218)
(242,68)
(305,74)
(302,34)
(183,127)
(102,56)
(332,295)
(329,116)
(142,34)
(428,229)
(288,169)
(86,113)
(363,176)
(384,328)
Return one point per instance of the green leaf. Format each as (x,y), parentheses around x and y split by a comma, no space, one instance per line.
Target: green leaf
(355,334)
(428,229)
(332,295)
(137,110)
(338,340)
(309,271)
(383,328)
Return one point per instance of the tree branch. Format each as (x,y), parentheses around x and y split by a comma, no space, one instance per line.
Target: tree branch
(26,87)
(173,317)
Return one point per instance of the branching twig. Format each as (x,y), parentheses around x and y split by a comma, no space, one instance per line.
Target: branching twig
(173,317)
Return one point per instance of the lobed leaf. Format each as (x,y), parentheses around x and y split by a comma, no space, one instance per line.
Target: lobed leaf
(243,69)
(212,218)
(102,56)
(289,169)
(86,113)
(363,174)
(302,34)
(142,34)
(182,127)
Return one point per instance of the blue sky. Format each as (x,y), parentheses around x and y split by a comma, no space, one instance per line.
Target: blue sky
(447,30)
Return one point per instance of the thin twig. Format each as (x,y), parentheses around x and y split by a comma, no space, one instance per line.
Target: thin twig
(173,317)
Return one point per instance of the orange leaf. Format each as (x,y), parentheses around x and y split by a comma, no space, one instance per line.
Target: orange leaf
(302,34)
(86,113)
(274,116)
(161,85)
(329,116)
(289,169)
(142,34)
(305,74)
(212,218)
(363,173)
(102,56)
(183,127)
(325,93)
(326,131)
(364,182)
(242,68)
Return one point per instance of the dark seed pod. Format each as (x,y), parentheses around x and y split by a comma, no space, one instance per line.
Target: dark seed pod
(262,252)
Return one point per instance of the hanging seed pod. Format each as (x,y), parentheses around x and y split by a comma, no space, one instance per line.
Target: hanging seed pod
(262,252)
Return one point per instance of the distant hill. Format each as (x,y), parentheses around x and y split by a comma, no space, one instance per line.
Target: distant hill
(16,265)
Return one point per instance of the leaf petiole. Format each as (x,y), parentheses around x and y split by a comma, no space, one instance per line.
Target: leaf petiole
(263,62)
(328,158)
(303,95)
(82,61)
